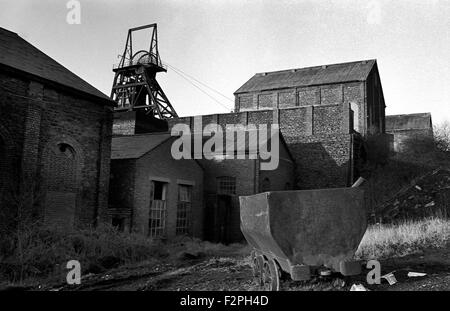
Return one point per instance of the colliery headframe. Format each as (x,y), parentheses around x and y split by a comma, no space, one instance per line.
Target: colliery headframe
(135,86)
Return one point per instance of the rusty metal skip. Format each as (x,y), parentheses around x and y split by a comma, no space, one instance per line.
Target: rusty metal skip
(300,233)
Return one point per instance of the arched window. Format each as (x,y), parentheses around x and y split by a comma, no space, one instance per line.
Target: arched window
(265,185)
(62,184)
(62,169)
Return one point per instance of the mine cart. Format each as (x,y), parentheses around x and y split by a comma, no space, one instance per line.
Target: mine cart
(303,233)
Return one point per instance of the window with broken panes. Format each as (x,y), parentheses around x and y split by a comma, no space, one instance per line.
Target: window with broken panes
(157,217)
(226,185)
(184,210)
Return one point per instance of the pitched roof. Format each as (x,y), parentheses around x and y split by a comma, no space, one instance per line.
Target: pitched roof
(318,75)
(408,121)
(135,146)
(19,54)
(241,145)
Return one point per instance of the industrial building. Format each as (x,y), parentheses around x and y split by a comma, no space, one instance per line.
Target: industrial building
(325,113)
(55,140)
(56,135)
(409,127)
(152,193)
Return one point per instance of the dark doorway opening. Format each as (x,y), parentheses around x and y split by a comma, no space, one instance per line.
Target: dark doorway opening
(222,219)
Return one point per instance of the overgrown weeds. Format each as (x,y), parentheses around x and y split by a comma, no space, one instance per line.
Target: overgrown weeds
(395,240)
(42,252)
(37,253)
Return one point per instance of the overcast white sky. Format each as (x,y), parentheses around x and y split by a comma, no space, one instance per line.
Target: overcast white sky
(223,43)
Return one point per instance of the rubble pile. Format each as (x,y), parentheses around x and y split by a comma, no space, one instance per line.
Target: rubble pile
(426,196)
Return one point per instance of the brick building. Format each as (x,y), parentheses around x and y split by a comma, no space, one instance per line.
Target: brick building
(55,136)
(226,178)
(151,192)
(154,194)
(408,127)
(325,113)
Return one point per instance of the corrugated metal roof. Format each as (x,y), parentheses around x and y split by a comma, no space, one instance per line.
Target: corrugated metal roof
(19,54)
(318,75)
(135,146)
(408,121)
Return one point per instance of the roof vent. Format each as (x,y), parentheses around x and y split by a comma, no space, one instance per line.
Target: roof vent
(293,70)
(324,66)
(364,62)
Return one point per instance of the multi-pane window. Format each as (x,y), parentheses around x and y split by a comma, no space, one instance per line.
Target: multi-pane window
(226,185)
(157,217)
(184,210)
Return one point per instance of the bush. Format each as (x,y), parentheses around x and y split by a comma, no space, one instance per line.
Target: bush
(442,136)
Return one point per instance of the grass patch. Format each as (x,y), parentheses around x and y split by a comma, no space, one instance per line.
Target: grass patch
(38,254)
(395,240)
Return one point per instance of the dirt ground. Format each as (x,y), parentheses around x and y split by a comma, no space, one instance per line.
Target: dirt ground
(234,273)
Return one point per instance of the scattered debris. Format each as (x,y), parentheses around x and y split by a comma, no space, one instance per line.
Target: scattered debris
(325,272)
(87,276)
(428,195)
(390,277)
(339,283)
(429,204)
(416,274)
(358,288)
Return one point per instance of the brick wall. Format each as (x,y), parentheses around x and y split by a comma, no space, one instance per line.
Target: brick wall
(305,129)
(38,119)
(122,179)
(136,122)
(249,179)
(85,126)
(159,165)
(243,170)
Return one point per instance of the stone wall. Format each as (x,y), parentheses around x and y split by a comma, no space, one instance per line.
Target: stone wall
(322,95)
(306,130)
